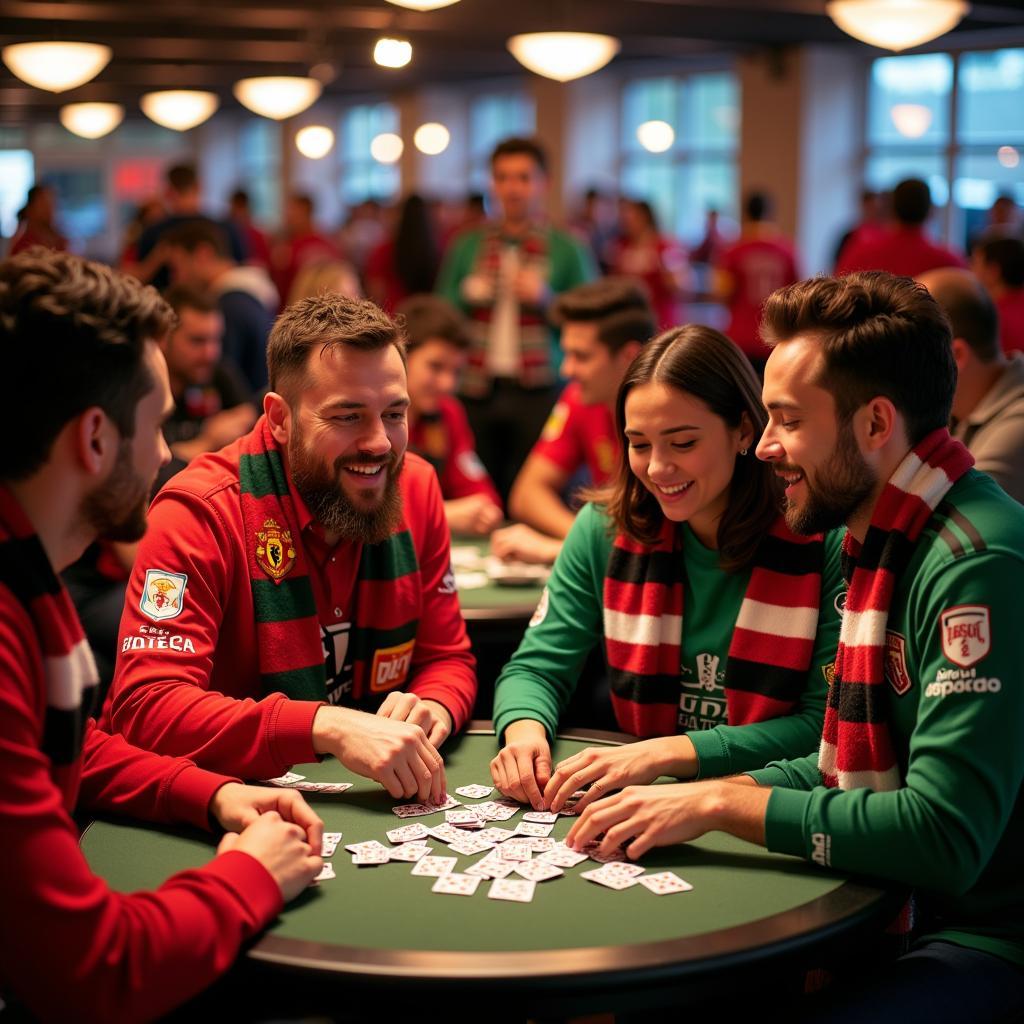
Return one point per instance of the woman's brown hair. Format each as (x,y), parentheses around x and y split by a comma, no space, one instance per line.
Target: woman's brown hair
(703,363)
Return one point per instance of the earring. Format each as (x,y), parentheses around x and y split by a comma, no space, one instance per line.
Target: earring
(743,451)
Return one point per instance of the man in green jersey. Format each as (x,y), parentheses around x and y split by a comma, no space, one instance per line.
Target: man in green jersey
(930,665)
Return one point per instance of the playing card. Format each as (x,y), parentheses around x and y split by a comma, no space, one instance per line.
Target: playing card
(491,810)
(609,881)
(446,833)
(369,846)
(569,807)
(495,835)
(563,857)
(515,890)
(537,870)
(412,810)
(664,883)
(541,817)
(462,816)
(434,866)
(515,851)
(327,871)
(367,857)
(475,792)
(469,846)
(530,828)
(323,788)
(449,803)
(288,779)
(619,867)
(456,884)
(406,833)
(491,867)
(409,852)
(542,844)
(330,844)
(592,850)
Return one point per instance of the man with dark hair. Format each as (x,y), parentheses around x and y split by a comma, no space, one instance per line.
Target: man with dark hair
(749,270)
(505,275)
(918,776)
(300,245)
(307,568)
(37,223)
(257,245)
(999,264)
(82,468)
(604,325)
(988,406)
(198,257)
(903,248)
(436,342)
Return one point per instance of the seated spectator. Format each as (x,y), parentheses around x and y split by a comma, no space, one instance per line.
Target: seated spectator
(604,325)
(903,248)
(988,404)
(999,264)
(245,295)
(437,340)
(36,223)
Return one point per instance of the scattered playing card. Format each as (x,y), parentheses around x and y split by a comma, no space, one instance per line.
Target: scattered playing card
(515,851)
(541,844)
(323,788)
(327,871)
(563,857)
(369,846)
(475,792)
(288,779)
(462,816)
(449,803)
(541,817)
(495,835)
(569,807)
(330,843)
(619,867)
(515,890)
(537,870)
(435,866)
(664,883)
(492,810)
(409,852)
(367,857)
(530,828)
(407,833)
(412,810)
(609,881)
(446,833)
(456,884)
(469,846)
(491,867)
(592,850)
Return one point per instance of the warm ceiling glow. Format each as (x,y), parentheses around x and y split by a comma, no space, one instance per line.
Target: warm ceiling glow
(423,5)
(314,141)
(56,67)
(656,136)
(432,138)
(277,97)
(91,120)
(392,53)
(179,109)
(1008,156)
(896,24)
(912,120)
(563,56)
(386,148)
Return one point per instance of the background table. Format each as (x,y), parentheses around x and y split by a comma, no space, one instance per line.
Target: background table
(576,948)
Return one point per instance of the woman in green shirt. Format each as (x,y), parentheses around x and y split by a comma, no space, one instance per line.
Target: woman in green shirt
(708,606)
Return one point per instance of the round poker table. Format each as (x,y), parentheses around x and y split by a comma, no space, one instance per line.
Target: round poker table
(576,948)
(497,603)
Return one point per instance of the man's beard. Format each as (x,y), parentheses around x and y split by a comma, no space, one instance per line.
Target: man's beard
(116,509)
(840,488)
(323,491)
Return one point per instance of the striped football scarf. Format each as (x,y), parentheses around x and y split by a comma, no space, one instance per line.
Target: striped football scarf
(388,590)
(772,644)
(856,747)
(71,679)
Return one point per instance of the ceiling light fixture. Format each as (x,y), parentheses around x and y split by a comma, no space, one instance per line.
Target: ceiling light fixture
(912,120)
(423,5)
(896,24)
(656,136)
(431,138)
(314,141)
(386,148)
(91,120)
(179,109)
(56,67)
(277,97)
(563,56)
(392,53)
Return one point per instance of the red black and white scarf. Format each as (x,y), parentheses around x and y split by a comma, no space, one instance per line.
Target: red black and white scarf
(772,644)
(69,669)
(856,746)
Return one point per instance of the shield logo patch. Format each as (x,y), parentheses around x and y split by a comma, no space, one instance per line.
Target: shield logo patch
(966,633)
(163,594)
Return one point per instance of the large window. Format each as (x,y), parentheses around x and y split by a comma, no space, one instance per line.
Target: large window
(493,117)
(697,170)
(17,174)
(957,121)
(362,176)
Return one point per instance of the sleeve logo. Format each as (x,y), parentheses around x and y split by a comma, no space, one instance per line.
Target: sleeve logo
(966,633)
(541,611)
(896,662)
(163,594)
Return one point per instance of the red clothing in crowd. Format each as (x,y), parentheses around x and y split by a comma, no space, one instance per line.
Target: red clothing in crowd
(756,268)
(446,441)
(190,684)
(1010,306)
(903,250)
(70,948)
(30,236)
(291,255)
(659,263)
(577,434)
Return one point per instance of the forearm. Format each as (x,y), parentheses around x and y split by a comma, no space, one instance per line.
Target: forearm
(738,808)
(541,508)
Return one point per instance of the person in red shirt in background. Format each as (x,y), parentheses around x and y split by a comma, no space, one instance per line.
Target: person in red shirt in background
(85,460)
(300,244)
(760,262)
(257,245)
(294,595)
(999,264)
(36,225)
(903,248)
(436,343)
(406,262)
(604,325)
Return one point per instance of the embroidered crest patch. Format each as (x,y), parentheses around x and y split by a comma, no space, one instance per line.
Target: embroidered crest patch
(163,594)
(275,554)
(966,633)
(896,662)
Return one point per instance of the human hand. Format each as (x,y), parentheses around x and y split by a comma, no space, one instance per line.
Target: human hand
(236,807)
(429,715)
(532,287)
(474,514)
(477,288)
(524,544)
(282,848)
(392,752)
(523,766)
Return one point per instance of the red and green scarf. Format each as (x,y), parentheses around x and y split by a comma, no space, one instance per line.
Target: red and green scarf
(69,669)
(856,747)
(388,590)
(772,644)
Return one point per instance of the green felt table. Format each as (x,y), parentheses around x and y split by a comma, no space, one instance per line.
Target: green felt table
(496,602)
(576,939)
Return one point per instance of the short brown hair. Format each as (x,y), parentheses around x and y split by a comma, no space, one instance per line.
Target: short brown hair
(516,146)
(702,362)
(879,335)
(191,234)
(186,296)
(617,305)
(72,336)
(423,317)
(324,320)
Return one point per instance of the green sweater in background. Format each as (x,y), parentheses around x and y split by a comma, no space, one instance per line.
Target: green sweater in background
(955,830)
(539,681)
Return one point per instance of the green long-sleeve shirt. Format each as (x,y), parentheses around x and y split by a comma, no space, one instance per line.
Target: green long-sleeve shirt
(539,681)
(955,829)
